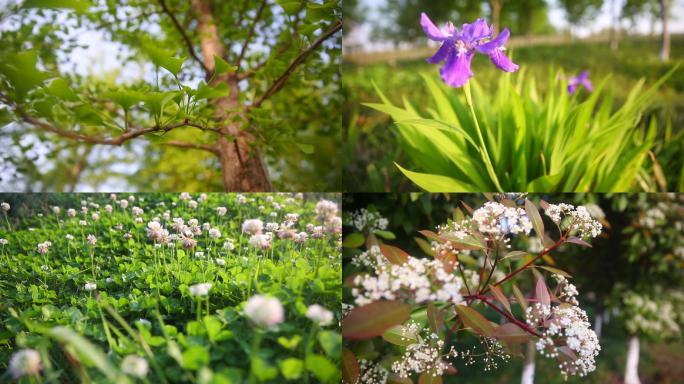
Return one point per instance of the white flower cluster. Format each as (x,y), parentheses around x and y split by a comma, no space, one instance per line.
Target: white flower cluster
(252,226)
(420,280)
(135,366)
(5,206)
(565,330)
(653,217)
(157,233)
(91,239)
(646,315)
(578,219)
(201,289)
(264,311)
(367,221)
(371,373)
(371,258)
(326,211)
(423,356)
(319,315)
(24,363)
(568,291)
(498,219)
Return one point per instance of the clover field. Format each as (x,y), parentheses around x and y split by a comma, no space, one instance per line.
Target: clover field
(101,288)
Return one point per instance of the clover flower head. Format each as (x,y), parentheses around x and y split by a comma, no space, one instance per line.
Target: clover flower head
(319,315)
(135,366)
(108,208)
(4,241)
(264,311)
(271,227)
(90,286)
(221,211)
(192,204)
(252,226)
(580,80)
(185,196)
(201,289)
(91,239)
(214,233)
(56,210)
(24,363)
(123,204)
(44,247)
(459,47)
(5,206)
(326,210)
(188,242)
(260,241)
(229,244)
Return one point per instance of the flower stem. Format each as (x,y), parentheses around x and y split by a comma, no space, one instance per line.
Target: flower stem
(483,148)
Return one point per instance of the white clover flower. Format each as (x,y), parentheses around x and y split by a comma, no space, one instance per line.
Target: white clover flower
(221,211)
(43,247)
(319,315)
(5,206)
(220,262)
(199,255)
(240,198)
(192,204)
(201,289)
(229,244)
(69,237)
(326,210)
(264,311)
(71,212)
(89,286)
(25,362)
(91,239)
(82,223)
(214,233)
(300,237)
(108,208)
(112,196)
(260,241)
(137,211)
(203,197)
(135,366)
(206,226)
(56,210)
(123,204)
(188,242)
(4,242)
(271,227)
(185,196)
(252,226)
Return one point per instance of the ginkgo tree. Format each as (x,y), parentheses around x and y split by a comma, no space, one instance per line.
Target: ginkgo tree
(235,80)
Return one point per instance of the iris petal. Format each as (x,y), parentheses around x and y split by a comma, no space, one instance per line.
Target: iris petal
(456,72)
(430,29)
(495,43)
(478,30)
(502,61)
(441,53)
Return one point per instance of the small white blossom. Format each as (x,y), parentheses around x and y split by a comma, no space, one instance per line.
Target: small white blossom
(135,366)
(264,311)
(319,315)
(201,289)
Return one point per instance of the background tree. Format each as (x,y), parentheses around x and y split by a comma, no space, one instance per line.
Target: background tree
(242,83)
(579,12)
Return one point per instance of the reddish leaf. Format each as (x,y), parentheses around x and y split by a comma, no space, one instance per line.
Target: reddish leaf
(350,367)
(577,240)
(499,295)
(435,318)
(511,333)
(554,270)
(520,297)
(349,280)
(544,204)
(535,217)
(373,319)
(428,378)
(474,320)
(371,240)
(431,235)
(543,293)
(467,207)
(394,254)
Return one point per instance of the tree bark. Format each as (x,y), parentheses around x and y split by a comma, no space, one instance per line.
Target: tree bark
(598,324)
(528,368)
(632,366)
(242,167)
(665,36)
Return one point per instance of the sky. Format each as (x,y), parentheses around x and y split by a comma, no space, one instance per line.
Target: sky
(556,17)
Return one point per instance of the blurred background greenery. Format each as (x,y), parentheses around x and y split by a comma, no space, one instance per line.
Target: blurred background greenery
(384,45)
(631,254)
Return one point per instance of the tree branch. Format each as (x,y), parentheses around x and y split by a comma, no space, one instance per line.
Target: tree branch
(118,140)
(181,30)
(250,33)
(183,144)
(278,84)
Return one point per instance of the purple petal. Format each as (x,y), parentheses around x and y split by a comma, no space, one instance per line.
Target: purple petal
(478,30)
(588,85)
(495,43)
(502,61)
(456,71)
(430,29)
(441,53)
(572,87)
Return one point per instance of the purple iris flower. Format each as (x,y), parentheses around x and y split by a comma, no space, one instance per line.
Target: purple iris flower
(583,80)
(458,48)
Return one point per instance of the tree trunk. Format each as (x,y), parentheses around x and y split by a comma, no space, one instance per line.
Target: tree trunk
(632,366)
(665,36)
(598,325)
(496,14)
(528,368)
(242,167)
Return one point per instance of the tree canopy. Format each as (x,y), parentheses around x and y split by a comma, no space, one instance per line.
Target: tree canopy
(235,95)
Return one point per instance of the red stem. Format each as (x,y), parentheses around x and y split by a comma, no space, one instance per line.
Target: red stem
(509,317)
